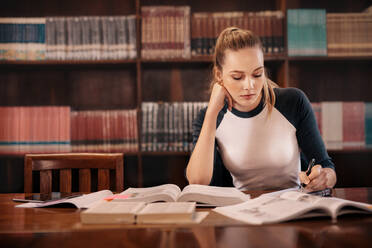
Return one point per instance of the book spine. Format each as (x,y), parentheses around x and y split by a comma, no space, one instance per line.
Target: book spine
(353,125)
(332,124)
(368,124)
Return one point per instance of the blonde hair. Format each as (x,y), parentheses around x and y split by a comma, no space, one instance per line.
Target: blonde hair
(235,38)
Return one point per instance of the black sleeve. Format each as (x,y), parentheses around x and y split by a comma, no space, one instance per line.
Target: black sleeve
(221,176)
(298,110)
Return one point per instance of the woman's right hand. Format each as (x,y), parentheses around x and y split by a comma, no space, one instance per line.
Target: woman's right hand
(217,99)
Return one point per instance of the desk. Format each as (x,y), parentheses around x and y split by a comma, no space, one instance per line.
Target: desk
(55,227)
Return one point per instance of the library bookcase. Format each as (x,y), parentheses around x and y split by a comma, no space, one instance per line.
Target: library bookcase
(125,84)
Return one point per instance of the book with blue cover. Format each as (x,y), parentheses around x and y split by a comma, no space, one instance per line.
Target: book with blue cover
(307,32)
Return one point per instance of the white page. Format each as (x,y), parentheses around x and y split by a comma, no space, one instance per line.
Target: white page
(266,209)
(84,201)
(218,196)
(171,190)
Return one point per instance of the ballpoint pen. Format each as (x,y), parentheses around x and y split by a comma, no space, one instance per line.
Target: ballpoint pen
(310,166)
(307,172)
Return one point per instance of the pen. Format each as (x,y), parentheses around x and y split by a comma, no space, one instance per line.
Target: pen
(307,172)
(310,166)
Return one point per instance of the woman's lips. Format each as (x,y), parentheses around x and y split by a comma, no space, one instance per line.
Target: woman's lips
(247,96)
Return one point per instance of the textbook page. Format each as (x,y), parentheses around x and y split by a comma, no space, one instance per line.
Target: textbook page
(166,192)
(267,209)
(212,195)
(291,205)
(84,201)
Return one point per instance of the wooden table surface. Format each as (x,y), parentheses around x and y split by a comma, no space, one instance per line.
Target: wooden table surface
(61,227)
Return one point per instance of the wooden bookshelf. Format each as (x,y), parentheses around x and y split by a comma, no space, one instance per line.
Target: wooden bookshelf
(125,84)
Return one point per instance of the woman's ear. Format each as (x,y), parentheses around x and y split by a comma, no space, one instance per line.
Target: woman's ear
(218,75)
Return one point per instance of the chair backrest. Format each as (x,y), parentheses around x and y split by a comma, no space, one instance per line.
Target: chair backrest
(64,162)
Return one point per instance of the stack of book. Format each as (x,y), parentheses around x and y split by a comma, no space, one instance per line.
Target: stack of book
(22,38)
(307,32)
(165,32)
(104,131)
(91,38)
(206,26)
(349,34)
(168,126)
(34,130)
(344,125)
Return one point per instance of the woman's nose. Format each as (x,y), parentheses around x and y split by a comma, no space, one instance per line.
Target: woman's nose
(248,83)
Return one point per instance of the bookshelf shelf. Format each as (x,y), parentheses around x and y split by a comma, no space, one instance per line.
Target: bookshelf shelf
(351,151)
(69,62)
(331,58)
(206,59)
(127,83)
(165,153)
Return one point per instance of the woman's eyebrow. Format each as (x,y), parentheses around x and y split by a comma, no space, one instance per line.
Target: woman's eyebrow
(237,71)
(258,68)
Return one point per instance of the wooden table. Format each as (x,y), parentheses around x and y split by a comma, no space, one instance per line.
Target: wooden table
(57,227)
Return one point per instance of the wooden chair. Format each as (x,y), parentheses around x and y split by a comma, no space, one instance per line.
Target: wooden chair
(64,162)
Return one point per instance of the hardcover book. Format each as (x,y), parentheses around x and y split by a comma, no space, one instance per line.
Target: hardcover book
(109,212)
(291,205)
(202,194)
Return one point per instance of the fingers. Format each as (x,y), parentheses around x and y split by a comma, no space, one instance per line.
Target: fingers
(318,183)
(304,178)
(318,179)
(315,171)
(220,95)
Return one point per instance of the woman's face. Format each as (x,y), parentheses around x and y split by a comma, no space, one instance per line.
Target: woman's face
(243,77)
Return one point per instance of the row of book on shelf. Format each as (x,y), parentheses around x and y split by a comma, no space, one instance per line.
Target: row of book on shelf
(173,32)
(344,125)
(58,129)
(68,38)
(313,32)
(206,26)
(165,126)
(168,126)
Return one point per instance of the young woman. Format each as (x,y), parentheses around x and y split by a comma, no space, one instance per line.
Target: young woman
(254,135)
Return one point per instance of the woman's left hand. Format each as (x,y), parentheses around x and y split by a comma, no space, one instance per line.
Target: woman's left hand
(320,178)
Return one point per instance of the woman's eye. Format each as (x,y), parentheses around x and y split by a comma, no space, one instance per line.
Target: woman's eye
(257,76)
(237,78)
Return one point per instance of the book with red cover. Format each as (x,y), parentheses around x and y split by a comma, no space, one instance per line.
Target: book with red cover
(353,125)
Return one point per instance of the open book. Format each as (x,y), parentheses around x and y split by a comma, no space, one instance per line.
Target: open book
(291,205)
(202,194)
(111,212)
(84,201)
(207,195)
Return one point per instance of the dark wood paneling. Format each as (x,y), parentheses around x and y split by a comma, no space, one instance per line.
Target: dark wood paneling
(164,169)
(331,6)
(218,5)
(79,86)
(40,8)
(11,174)
(353,168)
(333,80)
(175,82)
